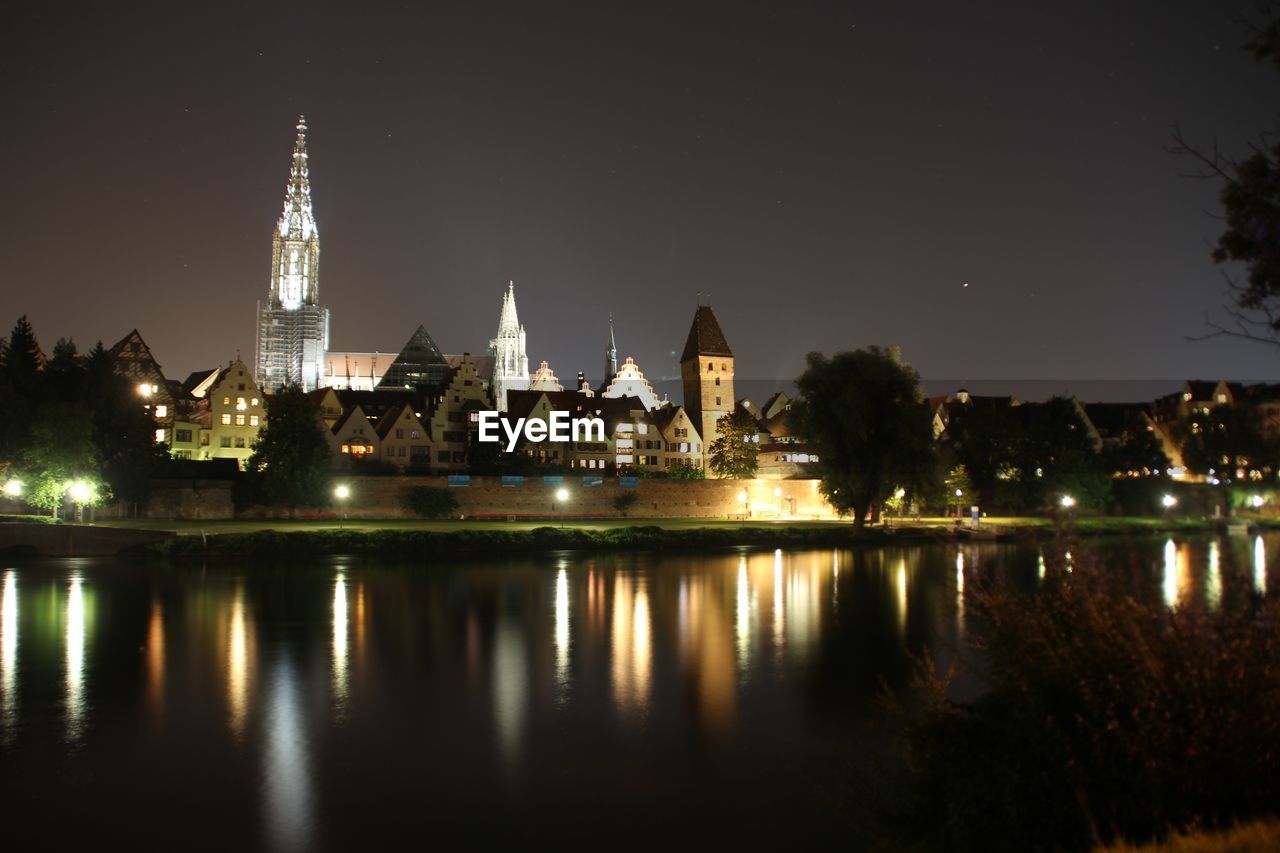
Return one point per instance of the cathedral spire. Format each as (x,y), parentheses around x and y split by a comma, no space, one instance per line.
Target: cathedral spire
(510,360)
(610,355)
(297,220)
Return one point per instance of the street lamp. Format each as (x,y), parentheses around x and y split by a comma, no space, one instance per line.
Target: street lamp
(80,492)
(1169,501)
(1067,502)
(1256,501)
(562,495)
(342,492)
(13,488)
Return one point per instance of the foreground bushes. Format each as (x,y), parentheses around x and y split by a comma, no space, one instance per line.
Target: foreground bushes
(1107,718)
(431,502)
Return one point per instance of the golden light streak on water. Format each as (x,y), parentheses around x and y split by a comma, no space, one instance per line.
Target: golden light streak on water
(9,652)
(960,588)
(779,604)
(1172,574)
(901,586)
(75,659)
(742,622)
(341,627)
(155,656)
(1213,578)
(631,652)
(561,635)
(1259,566)
(238,663)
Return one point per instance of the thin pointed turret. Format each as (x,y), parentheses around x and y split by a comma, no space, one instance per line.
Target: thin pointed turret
(610,355)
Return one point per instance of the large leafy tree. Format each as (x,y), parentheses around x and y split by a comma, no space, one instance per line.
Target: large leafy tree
(862,414)
(59,453)
(1229,444)
(734,455)
(291,457)
(982,439)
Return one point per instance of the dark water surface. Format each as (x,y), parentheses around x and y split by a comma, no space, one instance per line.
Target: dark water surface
(618,701)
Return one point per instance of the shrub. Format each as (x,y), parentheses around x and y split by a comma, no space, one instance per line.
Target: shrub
(624,501)
(431,501)
(1107,717)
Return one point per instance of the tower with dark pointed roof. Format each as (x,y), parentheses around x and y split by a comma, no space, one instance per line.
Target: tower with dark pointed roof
(293,327)
(706,369)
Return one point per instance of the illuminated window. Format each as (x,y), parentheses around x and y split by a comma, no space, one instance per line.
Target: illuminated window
(346,448)
(253,420)
(226,401)
(226,418)
(642,428)
(239,420)
(253,402)
(160,435)
(162,411)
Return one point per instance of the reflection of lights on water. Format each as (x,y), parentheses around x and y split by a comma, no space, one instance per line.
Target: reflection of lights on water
(779,619)
(743,616)
(902,594)
(562,630)
(1040,567)
(631,652)
(287,770)
(960,587)
(1172,574)
(1213,582)
(1259,566)
(9,650)
(340,632)
(155,653)
(75,658)
(510,689)
(238,663)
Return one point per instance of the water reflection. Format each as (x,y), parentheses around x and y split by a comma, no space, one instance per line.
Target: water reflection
(1259,566)
(742,622)
(339,645)
(1213,577)
(900,580)
(630,647)
(960,588)
(155,656)
(510,689)
(1171,583)
(561,636)
(287,763)
(239,644)
(9,653)
(75,702)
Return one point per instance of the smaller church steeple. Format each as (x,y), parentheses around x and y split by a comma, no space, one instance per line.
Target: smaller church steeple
(610,355)
(510,359)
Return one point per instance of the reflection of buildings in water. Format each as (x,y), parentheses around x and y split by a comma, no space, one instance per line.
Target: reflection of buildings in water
(560,637)
(1213,579)
(707,650)
(510,688)
(155,656)
(341,629)
(9,652)
(631,649)
(1259,566)
(75,658)
(287,797)
(240,661)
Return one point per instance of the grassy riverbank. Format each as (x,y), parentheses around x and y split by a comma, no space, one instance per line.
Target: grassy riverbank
(306,537)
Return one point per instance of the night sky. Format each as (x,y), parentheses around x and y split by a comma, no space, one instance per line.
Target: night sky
(830,174)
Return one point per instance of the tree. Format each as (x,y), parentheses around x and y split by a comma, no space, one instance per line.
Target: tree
(959,488)
(862,414)
(625,500)
(683,469)
(61,452)
(431,501)
(291,456)
(1250,199)
(1138,453)
(983,438)
(734,454)
(1227,444)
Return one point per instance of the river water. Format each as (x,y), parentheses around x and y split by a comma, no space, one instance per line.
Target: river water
(619,701)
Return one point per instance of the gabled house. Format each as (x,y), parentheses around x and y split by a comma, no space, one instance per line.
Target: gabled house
(403,439)
(353,438)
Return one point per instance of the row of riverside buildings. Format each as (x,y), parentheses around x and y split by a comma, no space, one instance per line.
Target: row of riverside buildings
(415,409)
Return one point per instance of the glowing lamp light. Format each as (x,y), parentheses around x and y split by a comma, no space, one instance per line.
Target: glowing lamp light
(13,488)
(742,497)
(80,491)
(959,493)
(1256,501)
(777,492)
(1067,502)
(342,492)
(145,389)
(1169,501)
(562,495)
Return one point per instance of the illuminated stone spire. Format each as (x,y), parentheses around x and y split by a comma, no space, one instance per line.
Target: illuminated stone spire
(293,327)
(610,356)
(295,264)
(510,361)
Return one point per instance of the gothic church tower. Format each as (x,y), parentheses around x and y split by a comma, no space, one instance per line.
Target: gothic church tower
(706,368)
(510,361)
(293,327)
